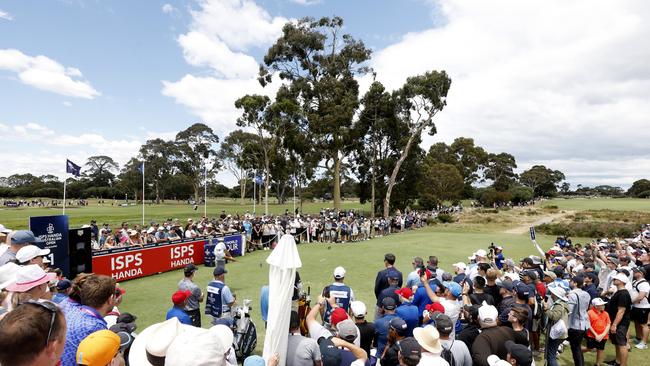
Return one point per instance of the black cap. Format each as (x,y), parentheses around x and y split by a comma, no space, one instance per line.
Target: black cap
(507,284)
(410,348)
(520,353)
(443,323)
(399,326)
(388,303)
(190,268)
(126,318)
(219,271)
(63,284)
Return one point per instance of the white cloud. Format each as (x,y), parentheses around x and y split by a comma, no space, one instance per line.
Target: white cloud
(168,9)
(6,16)
(555,83)
(46,74)
(200,50)
(306,2)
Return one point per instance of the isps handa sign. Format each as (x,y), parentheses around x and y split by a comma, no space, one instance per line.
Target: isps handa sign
(53,230)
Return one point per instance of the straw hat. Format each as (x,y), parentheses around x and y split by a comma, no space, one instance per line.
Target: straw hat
(428,338)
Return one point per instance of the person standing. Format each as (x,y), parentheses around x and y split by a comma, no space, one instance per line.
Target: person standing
(640,306)
(220,299)
(578,319)
(301,351)
(381,281)
(382,325)
(459,350)
(192,308)
(599,324)
(366,329)
(340,292)
(558,312)
(619,312)
(179,298)
(17,240)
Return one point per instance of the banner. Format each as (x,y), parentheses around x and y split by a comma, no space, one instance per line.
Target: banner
(134,262)
(54,231)
(234,244)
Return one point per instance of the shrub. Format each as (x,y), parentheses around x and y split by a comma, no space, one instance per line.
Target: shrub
(432,221)
(445,218)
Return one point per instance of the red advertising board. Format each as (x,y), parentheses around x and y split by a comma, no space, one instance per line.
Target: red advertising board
(133,262)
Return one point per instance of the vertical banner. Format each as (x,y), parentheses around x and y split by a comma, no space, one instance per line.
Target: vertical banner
(54,231)
(234,244)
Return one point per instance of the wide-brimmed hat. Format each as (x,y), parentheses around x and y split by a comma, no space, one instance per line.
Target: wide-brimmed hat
(154,341)
(28,277)
(428,338)
(200,347)
(8,274)
(559,292)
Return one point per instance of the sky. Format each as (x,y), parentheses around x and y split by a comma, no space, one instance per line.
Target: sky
(558,83)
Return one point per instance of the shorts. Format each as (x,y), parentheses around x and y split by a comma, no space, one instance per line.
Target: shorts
(620,337)
(640,315)
(593,343)
(535,325)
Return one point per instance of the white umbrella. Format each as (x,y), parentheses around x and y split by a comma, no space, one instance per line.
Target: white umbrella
(283,262)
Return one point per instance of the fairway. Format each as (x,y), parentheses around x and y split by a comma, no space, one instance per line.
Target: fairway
(617,204)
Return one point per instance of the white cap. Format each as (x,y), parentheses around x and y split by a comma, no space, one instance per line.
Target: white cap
(358,309)
(4,230)
(3,248)
(487,313)
(494,360)
(8,274)
(598,301)
(29,252)
(339,272)
(621,277)
(460,265)
(481,253)
(150,230)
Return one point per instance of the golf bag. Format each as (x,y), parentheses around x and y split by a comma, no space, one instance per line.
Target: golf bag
(304,302)
(245,334)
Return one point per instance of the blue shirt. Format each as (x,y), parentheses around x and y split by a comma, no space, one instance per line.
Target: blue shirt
(409,313)
(59,297)
(381,330)
(413,279)
(82,321)
(176,312)
(421,299)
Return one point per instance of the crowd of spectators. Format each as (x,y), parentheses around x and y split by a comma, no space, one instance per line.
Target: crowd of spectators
(489,310)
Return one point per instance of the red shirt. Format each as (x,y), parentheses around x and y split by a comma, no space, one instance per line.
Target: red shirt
(541,289)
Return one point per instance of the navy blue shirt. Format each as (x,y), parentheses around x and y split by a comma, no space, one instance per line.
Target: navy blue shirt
(409,313)
(381,331)
(381,282)
(388,292)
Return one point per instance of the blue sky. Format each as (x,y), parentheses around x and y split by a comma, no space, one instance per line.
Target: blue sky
(534,78)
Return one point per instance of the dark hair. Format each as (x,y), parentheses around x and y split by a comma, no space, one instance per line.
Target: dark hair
(96,290)
(559,271)
(579,281)
(23,333)
(390,258)
(294,322)
(520,313)
(483,266)
(433,260)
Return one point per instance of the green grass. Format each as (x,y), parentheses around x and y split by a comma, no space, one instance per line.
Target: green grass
(18,218)
(581,204)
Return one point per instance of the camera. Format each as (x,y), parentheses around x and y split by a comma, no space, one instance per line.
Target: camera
(491,250)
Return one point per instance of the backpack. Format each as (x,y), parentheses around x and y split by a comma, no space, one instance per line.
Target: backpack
(636,288)
(329,353)
(447,355)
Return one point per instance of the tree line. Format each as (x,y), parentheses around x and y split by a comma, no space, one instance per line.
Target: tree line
(319,136)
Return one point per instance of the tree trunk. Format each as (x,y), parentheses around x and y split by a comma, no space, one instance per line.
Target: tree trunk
(393,176)
(197,186)
(337,182)
(157,192)
(242,186)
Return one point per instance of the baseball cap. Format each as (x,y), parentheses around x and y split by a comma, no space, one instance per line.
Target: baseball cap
(29,252)
(63,284)
(190,268)
(404,292)
(519,352)
(339,272)
(126,339)
(347,330)
(24,237)
(597,301)
(506,284)
(398,325)
(4,230)
(481,253)
(454,288)
(410,348)
(254,360)
(388,303)
(338,315)
(98,349)
(436,306)
(443,323)
(218,271)
(358,309)
(180,296)
(621,277)
(522,289)
(460,265)
(494,360)
(487,313)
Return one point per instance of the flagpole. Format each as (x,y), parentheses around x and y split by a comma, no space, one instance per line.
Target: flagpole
(143,193)
(205,191)
(65,184)
(294,194)
(254,198)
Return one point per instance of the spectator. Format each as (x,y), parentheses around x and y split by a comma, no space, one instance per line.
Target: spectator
(640,306)
(458,349)
(619,312)
(451,291)
(578,319)
(381,282)
(220,299)
(100,348)
(518,355)
(301,351)
(557,331)
(187,283)
(506,288)
(599,325)
(492,339)
(429,339)
(18,239)
(97,295)
(410,352)
(63,289)
(406,310)
(397,331)
(390,291)
(179,299)
(382,324)
(472,328)
(31,254)
(413,278)
(32,334)
(366,329)
(341,294)
(32,282)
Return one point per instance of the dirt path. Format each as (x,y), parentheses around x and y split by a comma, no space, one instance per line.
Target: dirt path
(522,229)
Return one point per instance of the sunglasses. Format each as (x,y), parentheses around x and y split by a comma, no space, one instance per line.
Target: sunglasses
(49,306)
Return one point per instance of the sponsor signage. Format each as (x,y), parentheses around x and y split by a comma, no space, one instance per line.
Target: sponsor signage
(53,230)
(133,262)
